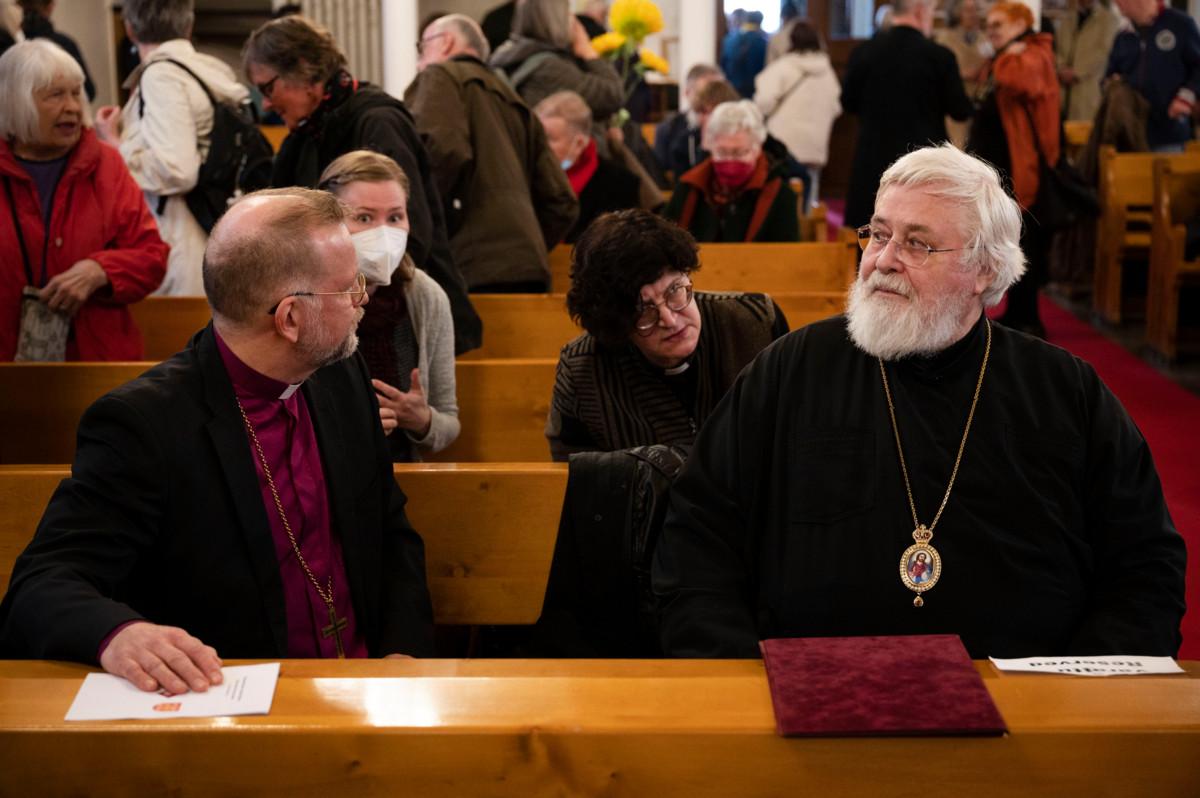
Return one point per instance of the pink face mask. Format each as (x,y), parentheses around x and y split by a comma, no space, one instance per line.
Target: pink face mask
(733,173)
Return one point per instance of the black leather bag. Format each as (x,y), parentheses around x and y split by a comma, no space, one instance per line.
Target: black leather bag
(1064,198)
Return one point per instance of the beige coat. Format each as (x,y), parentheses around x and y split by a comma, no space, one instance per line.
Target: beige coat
(165,145)
(798,94)
(1086,51)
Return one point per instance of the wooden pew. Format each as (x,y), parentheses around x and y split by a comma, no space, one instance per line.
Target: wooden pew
(773,268)
(1126,197)
(1176,201)
(661,728)
(522,325)
(487,562)
(502,405)
(1075,136)
(168,322)
(514,325)
(537,325)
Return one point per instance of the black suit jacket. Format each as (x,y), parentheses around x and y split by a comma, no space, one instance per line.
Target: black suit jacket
(902,86)
(163,520)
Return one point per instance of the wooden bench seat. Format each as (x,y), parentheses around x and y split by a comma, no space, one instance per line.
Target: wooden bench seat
(486,564)
(773,268)
(502,405)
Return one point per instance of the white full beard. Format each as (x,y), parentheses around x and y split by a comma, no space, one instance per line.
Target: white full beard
(890,329)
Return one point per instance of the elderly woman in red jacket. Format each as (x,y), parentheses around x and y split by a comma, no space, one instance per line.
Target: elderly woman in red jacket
(1017,117)
(79,242)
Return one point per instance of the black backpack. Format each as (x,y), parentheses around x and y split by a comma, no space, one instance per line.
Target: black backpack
(238,160)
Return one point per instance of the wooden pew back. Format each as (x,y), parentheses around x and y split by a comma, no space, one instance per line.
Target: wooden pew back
(522,325)
(772,268)
(1176,202)
(486,564)
(502,405)
(1126,196)
(515,325)
(168,322)
(537,325)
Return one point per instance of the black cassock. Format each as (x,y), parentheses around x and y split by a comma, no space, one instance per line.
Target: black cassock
(902,86)
(790,517)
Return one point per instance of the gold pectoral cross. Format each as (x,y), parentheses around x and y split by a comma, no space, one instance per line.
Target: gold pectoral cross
(334,629)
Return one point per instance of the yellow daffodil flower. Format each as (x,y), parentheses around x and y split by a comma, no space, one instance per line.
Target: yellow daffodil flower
(635,19)
(607,43)
(653,61)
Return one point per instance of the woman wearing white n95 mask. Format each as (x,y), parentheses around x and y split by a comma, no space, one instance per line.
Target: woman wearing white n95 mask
(406,335)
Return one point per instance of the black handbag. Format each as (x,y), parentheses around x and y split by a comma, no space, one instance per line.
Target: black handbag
(1064,198)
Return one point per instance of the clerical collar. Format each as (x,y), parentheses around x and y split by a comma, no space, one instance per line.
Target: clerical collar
(675,371)
(957,353)
(249,382)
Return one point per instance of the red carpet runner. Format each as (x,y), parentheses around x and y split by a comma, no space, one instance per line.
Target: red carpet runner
(1168,416)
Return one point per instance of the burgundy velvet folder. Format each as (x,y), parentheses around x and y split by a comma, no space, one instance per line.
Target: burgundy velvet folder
(877,686)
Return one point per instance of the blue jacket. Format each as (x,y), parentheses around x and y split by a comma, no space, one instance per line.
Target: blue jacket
(1161,61)
(743,56)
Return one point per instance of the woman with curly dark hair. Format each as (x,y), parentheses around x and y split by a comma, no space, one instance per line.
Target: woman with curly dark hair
(657,355)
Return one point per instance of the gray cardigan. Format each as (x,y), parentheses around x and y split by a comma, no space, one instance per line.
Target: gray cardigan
(430,311)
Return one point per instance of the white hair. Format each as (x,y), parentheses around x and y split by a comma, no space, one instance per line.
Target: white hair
(26,68)
(732,117)
(992,218)
(569,107)
(466,30)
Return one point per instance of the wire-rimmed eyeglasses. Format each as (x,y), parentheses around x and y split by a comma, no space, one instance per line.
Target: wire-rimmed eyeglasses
(913,253)
(356,293)
(266,88)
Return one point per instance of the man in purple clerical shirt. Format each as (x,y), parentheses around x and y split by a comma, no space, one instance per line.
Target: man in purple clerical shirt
(237,498)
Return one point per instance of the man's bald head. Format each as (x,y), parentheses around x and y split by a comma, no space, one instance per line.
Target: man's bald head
(263,249)
(464,34)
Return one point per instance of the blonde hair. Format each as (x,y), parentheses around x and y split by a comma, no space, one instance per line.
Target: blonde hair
(366,166)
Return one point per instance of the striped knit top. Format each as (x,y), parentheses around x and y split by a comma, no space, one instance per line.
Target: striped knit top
(607,398)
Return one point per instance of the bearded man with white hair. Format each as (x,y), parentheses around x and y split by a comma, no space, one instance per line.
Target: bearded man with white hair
(1015,494)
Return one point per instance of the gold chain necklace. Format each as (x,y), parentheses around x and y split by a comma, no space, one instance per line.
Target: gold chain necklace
(336,624)
(920,564)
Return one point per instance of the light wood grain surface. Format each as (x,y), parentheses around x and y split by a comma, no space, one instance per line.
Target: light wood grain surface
(549,727)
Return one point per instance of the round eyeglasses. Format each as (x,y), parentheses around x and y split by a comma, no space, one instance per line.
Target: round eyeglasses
(676,298)
(913,253)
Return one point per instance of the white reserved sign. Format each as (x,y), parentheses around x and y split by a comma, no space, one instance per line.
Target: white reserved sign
(1106,665)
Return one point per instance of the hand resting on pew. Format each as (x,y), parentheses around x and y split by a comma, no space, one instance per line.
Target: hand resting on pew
(152,656)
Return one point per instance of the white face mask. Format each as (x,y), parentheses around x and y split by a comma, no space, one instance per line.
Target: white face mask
(380,250)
